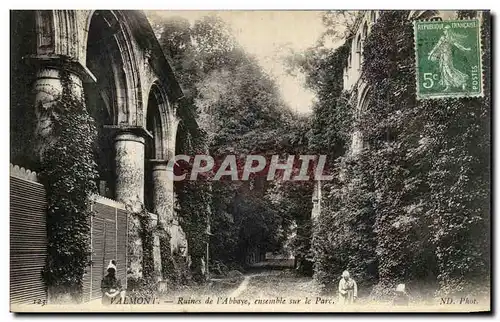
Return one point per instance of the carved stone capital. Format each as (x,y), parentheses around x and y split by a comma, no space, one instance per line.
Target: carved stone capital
(129,132)
(58,62)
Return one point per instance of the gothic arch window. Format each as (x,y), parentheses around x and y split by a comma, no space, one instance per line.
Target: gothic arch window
(109,35)
(104,97)
(155,146)
(365,31)
(359,51)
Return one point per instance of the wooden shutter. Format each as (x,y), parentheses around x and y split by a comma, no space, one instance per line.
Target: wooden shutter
(109,241)
(97,265)
(87,276)
(28,241)
(121,245)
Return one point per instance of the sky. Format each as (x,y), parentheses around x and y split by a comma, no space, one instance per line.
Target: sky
(264,34)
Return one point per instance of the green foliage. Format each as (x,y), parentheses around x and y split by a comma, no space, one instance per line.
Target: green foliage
(459,184)
(194,211)
(332,117)
(167,261)
(68,172)
(402,243)
(237,107)
(147,237)
(431,163)
(193,197)
(343,234)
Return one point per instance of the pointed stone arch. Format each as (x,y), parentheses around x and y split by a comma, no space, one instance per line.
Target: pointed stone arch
(57,32)
(116,39)
(63,36)
(363,96)
(159,104)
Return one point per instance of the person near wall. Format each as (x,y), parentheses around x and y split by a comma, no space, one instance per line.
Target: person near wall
(348,290)
(401,297)
(111,286)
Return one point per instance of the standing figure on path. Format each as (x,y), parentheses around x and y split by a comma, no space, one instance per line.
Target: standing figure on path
(401,297)
(348,290)
(111,287)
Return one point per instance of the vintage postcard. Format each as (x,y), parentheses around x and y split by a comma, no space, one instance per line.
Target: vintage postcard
(250,161)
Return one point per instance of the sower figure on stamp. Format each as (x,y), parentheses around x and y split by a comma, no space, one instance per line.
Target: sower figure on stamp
(348,290)
(442,52)
(111,287)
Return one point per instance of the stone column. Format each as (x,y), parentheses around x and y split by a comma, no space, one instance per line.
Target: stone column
(129,162)
(156,252)
(163,191)
(48,90)
(163,201)
(129,189)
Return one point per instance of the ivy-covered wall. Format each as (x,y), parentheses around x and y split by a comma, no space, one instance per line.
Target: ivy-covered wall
(413,207)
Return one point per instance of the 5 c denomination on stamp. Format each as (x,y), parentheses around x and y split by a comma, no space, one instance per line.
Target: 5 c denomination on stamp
(448,58)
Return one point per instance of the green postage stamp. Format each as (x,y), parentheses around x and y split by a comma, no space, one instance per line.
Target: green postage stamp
(448,58)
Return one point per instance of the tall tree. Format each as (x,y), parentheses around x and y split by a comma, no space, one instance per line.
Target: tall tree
(238,110)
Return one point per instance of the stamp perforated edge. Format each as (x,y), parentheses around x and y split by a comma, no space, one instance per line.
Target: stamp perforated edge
(481,66)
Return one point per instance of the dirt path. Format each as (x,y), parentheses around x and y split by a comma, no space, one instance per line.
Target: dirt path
(267,283)
(242,287)
(274,283)
(244,284)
